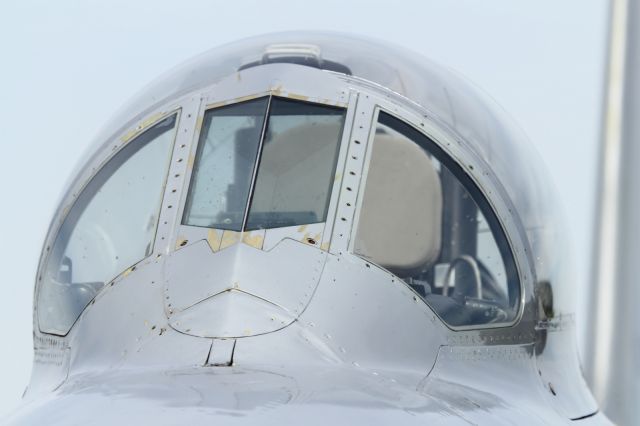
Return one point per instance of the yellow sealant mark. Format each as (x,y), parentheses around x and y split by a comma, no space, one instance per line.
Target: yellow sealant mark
(180,241)
(302,228)
(190,161)
(245,98)
(213,105)
(298,97)
(128,271)
(308,238)
(229,238)
(199,124)
(213,240)
(255,241)
(141,126)
(233,101)
(338,177)
(277,90)
(324,246)
(129,135)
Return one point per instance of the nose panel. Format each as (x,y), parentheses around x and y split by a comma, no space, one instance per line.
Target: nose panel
(241,290)
(232,313)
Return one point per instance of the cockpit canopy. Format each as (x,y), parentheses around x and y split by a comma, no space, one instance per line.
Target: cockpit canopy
(440,209)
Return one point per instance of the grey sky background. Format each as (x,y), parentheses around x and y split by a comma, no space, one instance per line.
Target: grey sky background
(67,66)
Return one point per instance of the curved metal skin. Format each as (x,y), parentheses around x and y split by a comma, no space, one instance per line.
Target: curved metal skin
(288,325)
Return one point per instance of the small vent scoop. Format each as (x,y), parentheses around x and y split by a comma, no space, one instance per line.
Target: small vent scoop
(301,54)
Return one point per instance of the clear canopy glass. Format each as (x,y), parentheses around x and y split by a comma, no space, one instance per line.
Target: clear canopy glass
(482,128)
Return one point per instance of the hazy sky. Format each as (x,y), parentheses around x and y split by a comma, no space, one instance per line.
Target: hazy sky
(66,66)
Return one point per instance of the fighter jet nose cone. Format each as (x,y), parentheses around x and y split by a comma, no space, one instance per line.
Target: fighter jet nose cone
(239,291)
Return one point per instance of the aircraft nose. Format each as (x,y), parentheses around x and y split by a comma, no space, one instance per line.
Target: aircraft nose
(240,290)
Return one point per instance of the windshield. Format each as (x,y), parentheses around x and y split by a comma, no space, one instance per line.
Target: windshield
(264,163)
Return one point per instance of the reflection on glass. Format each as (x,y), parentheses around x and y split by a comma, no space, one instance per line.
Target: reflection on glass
(224,165)
(297,166)
(110,227)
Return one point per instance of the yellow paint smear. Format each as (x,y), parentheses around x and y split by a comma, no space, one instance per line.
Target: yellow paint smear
(199,124)
(307,236)
(180,241)
(233,101)
(277,90)
(245,98)
(213,240)
(255,241)
(229,238)
(299,97)
(213,105)
(141,126)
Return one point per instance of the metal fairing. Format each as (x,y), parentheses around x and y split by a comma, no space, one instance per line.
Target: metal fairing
(239,301)
(271,326)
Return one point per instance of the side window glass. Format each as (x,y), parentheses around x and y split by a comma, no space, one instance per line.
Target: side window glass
(110,227)
(425,220)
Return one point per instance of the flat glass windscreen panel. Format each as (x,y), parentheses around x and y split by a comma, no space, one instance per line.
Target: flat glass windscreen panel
(425,220)
(297,166)
(110,227)
(224,166)
(250,174)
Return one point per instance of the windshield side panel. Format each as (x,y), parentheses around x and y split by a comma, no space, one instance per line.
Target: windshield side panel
(296,171)
(224,165)
(111,226)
